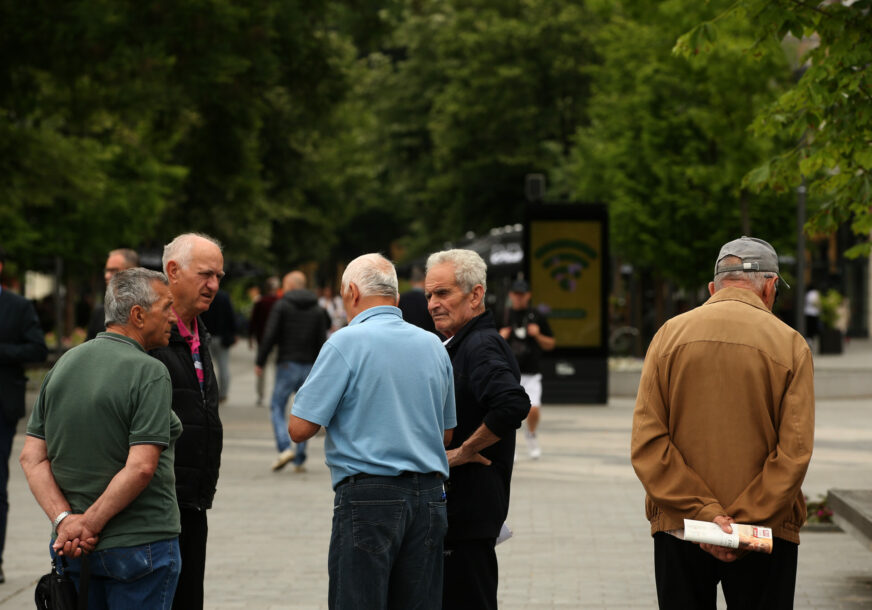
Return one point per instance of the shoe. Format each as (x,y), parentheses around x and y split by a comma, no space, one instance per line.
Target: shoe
(533,445)
(2,577)
(284,457)
(299,468)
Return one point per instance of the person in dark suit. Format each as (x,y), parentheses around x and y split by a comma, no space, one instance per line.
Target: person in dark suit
(413,303)
(21,341)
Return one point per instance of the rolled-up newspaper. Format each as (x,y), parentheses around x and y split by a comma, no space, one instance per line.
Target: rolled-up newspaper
(744,537)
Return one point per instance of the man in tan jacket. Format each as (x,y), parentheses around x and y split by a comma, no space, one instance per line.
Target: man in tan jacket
(723,431)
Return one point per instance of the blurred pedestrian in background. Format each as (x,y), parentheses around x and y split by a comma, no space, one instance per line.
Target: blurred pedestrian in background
(413,303)
(812,312)
(118,260)
(257,324)
(21,342)
(529,334)
(220,319)
(332,304)
(298,325)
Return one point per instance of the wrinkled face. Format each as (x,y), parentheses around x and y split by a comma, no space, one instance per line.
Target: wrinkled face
(449,307)
(114,264)
(520,300)
(198,282)
(158,319)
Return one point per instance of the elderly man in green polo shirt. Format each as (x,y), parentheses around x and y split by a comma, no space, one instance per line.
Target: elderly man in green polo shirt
(99,451)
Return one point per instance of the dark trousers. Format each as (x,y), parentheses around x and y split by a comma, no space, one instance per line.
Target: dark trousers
(386,544)
(470,578)
(192,547)
(7,433)
(687,577)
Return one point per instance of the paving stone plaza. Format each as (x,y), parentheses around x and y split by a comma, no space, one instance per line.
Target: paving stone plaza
(580,536)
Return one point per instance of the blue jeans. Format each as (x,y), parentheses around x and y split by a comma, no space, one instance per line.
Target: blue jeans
(289,377)
(386,544)
(142,576)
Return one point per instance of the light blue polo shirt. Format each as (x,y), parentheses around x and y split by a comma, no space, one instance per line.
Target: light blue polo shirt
(384,390)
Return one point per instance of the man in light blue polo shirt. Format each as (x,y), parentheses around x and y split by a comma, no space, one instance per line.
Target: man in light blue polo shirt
(384,390)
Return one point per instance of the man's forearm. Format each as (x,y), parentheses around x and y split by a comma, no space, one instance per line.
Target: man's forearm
(469,451)
(124,487)
(481,439)
(37,471)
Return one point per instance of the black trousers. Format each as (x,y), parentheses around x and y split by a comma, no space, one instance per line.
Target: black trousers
(7,433)
(470,576)
(687,577)
(192,548)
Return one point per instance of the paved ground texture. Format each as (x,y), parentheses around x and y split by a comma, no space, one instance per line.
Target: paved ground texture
(581,539)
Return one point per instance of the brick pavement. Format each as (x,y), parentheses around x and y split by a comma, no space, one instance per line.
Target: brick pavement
(581,540)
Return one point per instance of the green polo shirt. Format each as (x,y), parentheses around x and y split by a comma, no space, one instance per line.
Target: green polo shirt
(98,400)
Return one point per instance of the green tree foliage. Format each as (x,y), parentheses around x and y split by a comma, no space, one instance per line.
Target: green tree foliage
(668,143)
(126,122)
(825,119)
(467,98)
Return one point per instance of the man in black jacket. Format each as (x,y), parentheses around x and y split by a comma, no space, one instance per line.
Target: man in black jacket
(491,404)
(299,326)
(21,341)
(194,266)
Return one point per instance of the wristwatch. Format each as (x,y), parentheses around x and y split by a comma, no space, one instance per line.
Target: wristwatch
(58,519)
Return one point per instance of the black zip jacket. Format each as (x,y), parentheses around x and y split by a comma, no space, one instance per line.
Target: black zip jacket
(198,450)
(299,326)
(487,389)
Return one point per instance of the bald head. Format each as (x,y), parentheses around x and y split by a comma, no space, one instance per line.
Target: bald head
(369,280)
(295,280)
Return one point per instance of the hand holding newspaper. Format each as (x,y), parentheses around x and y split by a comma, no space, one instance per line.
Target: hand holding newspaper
(744,537)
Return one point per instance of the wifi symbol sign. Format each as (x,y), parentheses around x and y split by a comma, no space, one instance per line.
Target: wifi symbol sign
(565,259)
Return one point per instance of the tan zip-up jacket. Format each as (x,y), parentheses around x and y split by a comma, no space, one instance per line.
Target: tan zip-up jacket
(724,418)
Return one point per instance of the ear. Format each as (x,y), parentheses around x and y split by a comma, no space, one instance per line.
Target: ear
(354,293)
(477,296)
(172,270)
(711,288)
(137,316)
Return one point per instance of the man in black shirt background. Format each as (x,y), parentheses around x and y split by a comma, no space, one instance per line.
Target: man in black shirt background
(528,333)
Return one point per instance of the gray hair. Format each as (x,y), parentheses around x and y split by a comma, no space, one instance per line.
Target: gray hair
(128,288)
(180,249)
(373,274)
(756,279)
(469,268)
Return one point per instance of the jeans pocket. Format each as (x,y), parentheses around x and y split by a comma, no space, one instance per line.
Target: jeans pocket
(127,564)
(438,524)
(375,524)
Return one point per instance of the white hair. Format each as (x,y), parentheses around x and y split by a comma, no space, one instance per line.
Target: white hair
(128,288)
(469,268)
(756,279)
(180,249)
(373,274)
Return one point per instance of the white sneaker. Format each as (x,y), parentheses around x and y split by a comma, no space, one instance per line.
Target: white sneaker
(284,457)
(533,445)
